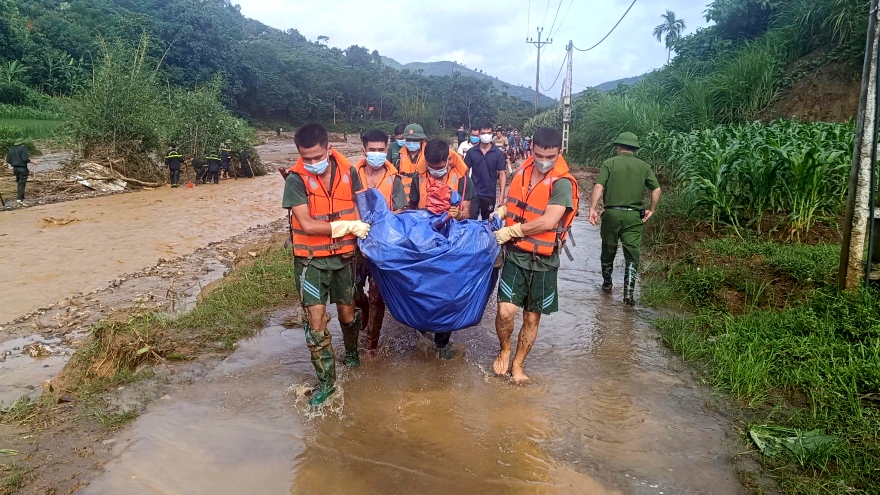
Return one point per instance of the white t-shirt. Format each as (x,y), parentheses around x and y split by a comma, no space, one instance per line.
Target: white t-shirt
(464,147)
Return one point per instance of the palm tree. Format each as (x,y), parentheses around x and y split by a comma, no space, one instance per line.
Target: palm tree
(671,28)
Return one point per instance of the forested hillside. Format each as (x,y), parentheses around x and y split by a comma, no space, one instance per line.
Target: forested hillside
(50,47)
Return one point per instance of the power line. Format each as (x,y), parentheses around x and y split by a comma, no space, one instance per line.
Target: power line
(557,75)
(555,16)
(529,18)
(563,19)
(609,32)
(544,22)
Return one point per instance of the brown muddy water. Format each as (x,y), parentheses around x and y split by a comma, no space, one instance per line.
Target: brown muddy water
(609,411)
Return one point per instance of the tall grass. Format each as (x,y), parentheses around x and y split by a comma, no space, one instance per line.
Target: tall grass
(741,175)
(593,134)
(745,84)
(17,112)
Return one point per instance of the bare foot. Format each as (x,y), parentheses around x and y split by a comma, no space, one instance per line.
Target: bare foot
(502,362)
(518,376)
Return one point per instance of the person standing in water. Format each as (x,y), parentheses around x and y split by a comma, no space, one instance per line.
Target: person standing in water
(540,207)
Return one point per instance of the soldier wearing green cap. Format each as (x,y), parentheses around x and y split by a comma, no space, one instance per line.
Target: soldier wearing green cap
(17,159)
(621,184)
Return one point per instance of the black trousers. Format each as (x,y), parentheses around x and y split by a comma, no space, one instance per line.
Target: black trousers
(21,177)
(175,176)
(246,170)
(213,176)
(482,205)
(441,339)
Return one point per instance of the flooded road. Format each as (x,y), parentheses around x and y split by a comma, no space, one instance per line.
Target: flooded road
(609,411)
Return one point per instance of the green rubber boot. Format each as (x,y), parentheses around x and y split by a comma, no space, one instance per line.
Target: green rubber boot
(629,284)
(321,347)
(350,335)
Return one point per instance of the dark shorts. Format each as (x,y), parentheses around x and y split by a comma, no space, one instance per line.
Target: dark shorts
(317,286)
(534,291)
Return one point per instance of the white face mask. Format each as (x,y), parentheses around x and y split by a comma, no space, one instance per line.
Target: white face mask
(439,173)
(485,138)
(545,166)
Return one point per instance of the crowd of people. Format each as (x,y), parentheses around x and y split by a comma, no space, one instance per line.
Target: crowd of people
(413,172)
(208,169)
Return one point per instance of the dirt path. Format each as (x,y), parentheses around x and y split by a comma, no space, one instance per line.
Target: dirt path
(52,251)
(610,411)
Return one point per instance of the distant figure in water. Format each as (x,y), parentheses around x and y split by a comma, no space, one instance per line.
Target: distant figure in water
(541,204)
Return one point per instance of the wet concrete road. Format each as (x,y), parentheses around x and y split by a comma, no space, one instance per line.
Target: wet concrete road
(609,411)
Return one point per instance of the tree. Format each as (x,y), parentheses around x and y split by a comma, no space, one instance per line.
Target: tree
(671,28)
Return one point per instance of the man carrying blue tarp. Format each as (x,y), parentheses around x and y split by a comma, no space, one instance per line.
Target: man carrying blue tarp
(542,203)
(325,226)
(442,173)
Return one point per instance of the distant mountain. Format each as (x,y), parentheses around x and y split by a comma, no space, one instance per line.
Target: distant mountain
(608,86)
(444,68)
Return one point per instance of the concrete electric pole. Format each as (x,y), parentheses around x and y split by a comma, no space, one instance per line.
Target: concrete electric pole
(859,207)
(566,97)
(538,44)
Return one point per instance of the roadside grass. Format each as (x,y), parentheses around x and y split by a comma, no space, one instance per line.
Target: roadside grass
(123,348)
(28,128)
(13,476)
(765,323)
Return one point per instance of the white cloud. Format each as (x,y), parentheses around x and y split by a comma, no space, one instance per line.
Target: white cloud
(490,36)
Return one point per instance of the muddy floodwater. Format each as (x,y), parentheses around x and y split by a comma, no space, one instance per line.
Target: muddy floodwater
(609,411)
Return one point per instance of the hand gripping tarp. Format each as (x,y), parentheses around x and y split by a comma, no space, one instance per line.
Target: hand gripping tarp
(435,274)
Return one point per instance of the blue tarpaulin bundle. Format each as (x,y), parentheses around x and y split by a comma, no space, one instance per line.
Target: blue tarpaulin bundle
(435,274)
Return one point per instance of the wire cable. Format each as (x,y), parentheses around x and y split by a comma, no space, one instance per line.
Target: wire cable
(565,59)
(555,16)
(563,19)
(544,22)
(609,32)
(529,19)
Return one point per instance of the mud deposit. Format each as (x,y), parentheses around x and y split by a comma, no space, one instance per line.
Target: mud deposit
(609,411)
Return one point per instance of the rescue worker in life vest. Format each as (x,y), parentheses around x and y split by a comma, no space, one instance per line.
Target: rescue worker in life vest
(213,167)
(621,184)
(172,161)
(439,174)
(541,204)
(411,154)
(375,171)
(319,193)
(225,158)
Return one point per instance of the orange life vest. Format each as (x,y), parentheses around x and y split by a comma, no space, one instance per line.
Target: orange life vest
(323,206)
(407,169)
(385,184)
(523,206)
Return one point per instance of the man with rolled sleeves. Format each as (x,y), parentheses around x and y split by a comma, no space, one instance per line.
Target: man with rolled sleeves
(621,184)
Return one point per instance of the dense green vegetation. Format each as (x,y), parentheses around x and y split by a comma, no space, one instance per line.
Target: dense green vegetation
(52,47)
(759,176)
(775,334)
(727,73)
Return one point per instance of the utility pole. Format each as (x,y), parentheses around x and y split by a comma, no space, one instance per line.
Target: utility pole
(859,207)
(538,44)
(566,97)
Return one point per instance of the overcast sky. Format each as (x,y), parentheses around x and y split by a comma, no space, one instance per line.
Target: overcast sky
(491,35)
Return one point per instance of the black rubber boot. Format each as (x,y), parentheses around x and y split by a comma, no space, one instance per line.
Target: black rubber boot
(607,270)
(350,334)
(321,347)
(629,284)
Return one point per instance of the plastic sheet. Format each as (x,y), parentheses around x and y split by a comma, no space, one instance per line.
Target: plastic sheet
(435,274)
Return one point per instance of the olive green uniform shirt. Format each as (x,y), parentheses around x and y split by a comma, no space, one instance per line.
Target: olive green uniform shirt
(559,195)
(393,155)
(295,194)
(625,178)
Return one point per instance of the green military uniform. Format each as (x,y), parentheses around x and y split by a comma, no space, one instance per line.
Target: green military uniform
(529,280)
(320,279)
(393,155)
(18,157)
(624,179)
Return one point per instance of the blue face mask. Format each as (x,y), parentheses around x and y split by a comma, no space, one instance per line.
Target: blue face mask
(438,173)
(320,167)
(401,142)
(376,159)
(475,139)
(413,146)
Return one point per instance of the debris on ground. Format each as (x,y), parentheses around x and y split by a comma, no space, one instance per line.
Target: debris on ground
(802,446)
